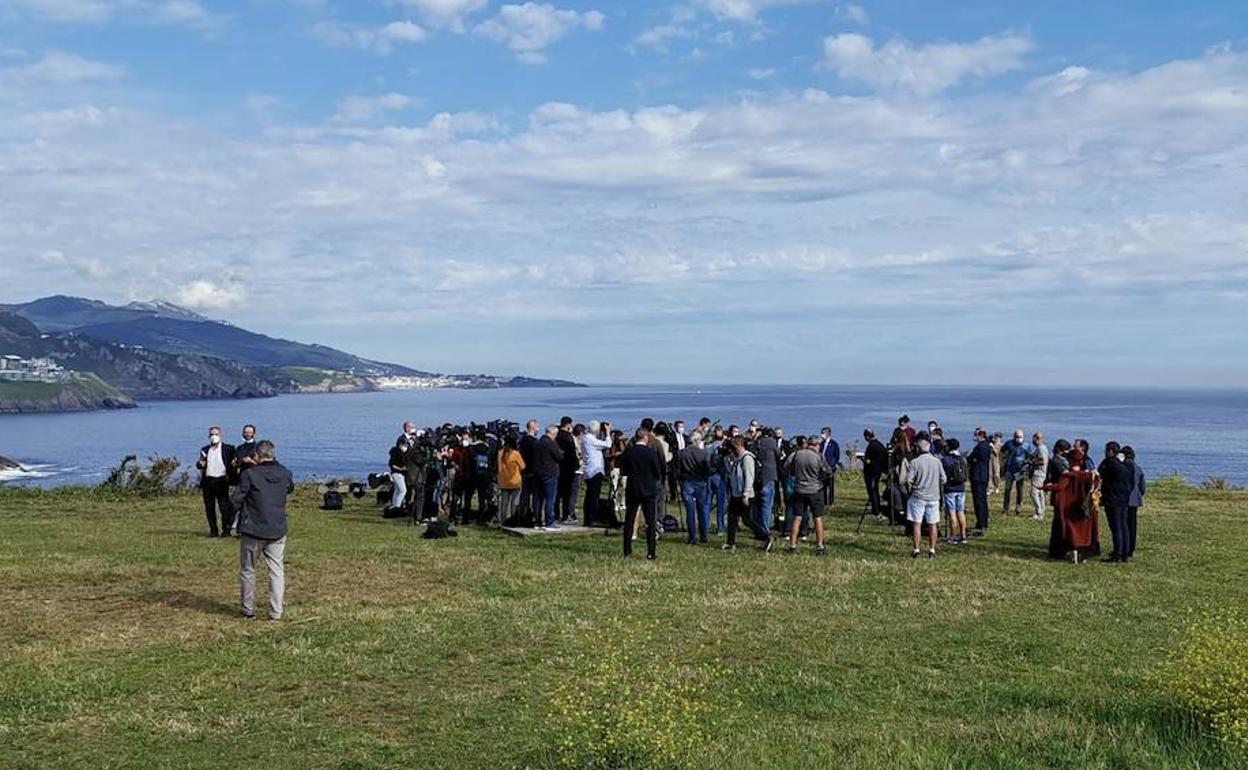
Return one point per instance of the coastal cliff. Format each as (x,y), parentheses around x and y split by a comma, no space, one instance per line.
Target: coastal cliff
(82,392)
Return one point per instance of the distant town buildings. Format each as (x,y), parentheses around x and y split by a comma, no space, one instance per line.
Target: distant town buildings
(17,369)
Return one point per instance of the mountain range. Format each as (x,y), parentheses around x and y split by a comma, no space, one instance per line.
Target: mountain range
(158,350)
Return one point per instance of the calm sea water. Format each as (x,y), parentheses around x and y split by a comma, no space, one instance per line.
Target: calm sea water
(320,436)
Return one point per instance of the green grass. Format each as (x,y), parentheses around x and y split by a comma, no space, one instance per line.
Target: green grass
(10,389)
(120,646)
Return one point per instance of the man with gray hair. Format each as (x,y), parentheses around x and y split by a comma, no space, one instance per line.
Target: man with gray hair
(926,479)
(261,504)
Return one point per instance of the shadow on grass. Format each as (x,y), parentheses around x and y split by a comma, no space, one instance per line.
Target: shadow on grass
(189,601)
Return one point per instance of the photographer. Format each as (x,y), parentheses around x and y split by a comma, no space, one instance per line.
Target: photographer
(593,444)
(417,463)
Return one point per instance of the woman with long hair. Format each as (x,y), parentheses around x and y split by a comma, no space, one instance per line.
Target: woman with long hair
(510,473)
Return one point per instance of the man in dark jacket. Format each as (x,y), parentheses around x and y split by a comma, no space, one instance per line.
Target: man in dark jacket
(874,466)
(569,467)
(547,457)
(530,488)
(831,452)
(979,472)
(767,452)
(694,469)
(217,466)
(1117,478)
(482,465)
(261,503)
(644,469)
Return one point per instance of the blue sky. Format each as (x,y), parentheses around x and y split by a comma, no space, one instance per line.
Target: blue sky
(714,190)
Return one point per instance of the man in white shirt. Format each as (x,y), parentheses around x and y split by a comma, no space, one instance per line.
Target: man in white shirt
(216,466)
(594,442)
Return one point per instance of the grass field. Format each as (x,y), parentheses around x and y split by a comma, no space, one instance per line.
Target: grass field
(120,645)
(12,389)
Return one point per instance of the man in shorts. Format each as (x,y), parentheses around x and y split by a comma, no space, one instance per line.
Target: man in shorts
(956,474)
(926,479)
(810,473)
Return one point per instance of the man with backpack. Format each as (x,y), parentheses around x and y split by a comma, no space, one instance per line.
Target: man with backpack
(480,464)
(956,473)
(741,490)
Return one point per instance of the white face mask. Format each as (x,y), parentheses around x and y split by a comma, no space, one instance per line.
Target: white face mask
(214,440)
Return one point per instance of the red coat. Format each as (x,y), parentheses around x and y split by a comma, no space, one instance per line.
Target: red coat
(1076,525)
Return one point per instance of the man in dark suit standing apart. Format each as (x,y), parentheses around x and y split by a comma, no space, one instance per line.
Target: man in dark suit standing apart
(831,451)
(644,469)
(979,471)
(874,466)
(217,464)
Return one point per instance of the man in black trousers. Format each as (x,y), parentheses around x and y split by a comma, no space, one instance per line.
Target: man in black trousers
(874,466)
(644,469)
(217,470)
(1116,482)
(979,472)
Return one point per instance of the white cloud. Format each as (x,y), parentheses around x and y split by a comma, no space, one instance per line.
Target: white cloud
(446,13)
(527,30)
(747,10)
(186,13)
(923,69)
(357,109)
(854,14)
(205,295)
(68,11)
(680,27)
(761,73)
(1114,191)
(59,68)
(380,40)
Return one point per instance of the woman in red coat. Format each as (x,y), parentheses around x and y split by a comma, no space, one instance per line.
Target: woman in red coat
(1076,530)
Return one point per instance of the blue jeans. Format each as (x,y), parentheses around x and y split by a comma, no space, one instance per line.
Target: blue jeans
(550,495)
(719,497)
(697,497)
(763,505)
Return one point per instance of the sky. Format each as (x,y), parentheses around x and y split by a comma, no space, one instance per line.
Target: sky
(709,191)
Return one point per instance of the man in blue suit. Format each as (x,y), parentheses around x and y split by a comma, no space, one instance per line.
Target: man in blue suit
(831,452)
(979,465)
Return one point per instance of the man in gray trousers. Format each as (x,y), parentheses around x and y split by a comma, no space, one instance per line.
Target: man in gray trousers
(260,500)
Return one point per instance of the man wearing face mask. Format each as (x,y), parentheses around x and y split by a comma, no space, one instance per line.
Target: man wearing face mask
(216,465)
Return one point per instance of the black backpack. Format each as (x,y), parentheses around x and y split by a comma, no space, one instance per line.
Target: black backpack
(955,473)
(437,530)
(332,501)
(481,461)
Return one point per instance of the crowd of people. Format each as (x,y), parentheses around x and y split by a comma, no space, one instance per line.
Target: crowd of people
(731,482)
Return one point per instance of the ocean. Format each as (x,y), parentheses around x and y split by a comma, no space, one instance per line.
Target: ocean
(1188,432)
